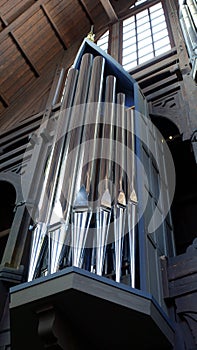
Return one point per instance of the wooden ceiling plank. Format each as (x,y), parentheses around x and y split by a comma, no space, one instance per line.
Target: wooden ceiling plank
(143,74)
(163,92)
(160,84)
(54,27)
(17,9)
(12,88)
(87,12)
(22,18)
(25,55)
(109,10)
(30,24)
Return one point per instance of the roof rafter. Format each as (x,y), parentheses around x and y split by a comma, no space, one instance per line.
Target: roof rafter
(22,18)
(87,12)
(54,27)
(109,10)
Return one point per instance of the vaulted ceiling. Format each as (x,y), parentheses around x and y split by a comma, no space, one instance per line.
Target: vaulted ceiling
(35,34)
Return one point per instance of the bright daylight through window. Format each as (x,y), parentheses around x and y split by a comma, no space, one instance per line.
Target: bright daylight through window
(103,41)
(145,35)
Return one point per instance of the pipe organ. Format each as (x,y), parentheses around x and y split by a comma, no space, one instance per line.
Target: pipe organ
(88,214)
(87,217)
(97,193)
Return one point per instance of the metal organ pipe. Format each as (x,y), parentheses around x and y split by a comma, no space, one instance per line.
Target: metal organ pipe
(103,212)
(40,232)
(75,134)
(90,160)
(131,194)
(189,30)
(193,10)
(82,211)
(59,140)
(119,199)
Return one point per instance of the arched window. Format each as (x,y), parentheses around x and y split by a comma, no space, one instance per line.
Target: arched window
(145,35)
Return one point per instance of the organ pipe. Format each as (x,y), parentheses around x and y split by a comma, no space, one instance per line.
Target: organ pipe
(91,177)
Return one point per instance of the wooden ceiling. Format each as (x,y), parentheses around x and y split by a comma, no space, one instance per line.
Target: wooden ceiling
(33,37)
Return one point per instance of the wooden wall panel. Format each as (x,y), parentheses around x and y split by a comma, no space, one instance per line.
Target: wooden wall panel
(40,41)
(63,19)
(12,70)
(33,35)
(30,26)
(11,9)
(28,79)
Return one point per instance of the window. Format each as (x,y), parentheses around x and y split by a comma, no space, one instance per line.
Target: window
(103,41)
(138,2)
(145,35)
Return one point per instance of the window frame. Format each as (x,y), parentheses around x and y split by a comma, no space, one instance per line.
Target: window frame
(133,12)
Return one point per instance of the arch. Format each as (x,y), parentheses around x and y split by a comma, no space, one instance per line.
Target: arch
(184,204)
(166,127)
(15,181)
(7,204)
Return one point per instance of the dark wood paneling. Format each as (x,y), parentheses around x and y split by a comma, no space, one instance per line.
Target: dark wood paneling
(14,8)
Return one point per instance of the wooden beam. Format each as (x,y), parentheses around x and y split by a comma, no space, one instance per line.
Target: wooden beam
(109,10)
(5,23)
(115,41)
(163,92)
(154,68)
(12,153)
(156,59)
(160,85)
(147,81)
(134,10)
(87,12)
(24,54)
(4,99)
(54,27)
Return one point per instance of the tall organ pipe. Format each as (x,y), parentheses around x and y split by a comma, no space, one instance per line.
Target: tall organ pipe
(38,237)
(82,210)
(59,141)
(88,149)
(193,10)
(120,199)
(189,30)
(132,198)
(74,136)
(103,212)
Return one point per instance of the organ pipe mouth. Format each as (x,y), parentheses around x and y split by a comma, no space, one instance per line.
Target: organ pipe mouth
(121,199)
(106,200)
(133,198)
(81,201)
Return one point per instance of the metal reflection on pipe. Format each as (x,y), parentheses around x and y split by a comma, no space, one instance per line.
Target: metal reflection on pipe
(131,194)
(57,239)
(75,135)
(81,217)
(120,199)
(132,240)
(103,213)
(38,237)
